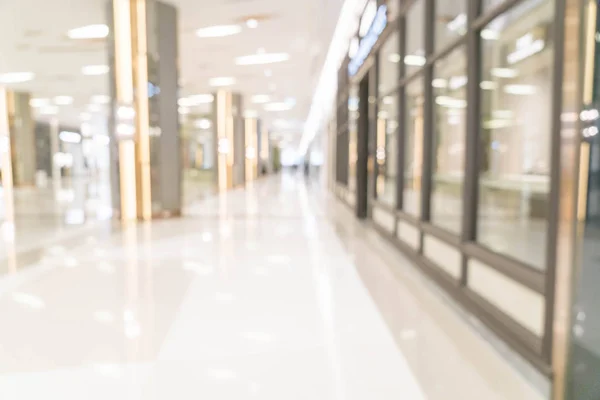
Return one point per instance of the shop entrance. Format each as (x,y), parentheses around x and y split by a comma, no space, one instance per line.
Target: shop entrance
(364,158)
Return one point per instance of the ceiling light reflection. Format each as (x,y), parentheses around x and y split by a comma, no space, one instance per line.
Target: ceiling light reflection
(221,374)
(252,23)
(224,297)
(29,300)
(104,317)
(258,336)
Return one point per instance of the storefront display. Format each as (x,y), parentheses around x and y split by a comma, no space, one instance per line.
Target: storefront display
(447,115)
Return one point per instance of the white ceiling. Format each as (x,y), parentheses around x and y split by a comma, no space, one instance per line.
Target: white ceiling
(34,39)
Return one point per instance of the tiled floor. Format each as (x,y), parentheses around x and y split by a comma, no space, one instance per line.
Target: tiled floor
(273,292)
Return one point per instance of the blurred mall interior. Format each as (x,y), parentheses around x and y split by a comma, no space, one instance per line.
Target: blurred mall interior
(318,199)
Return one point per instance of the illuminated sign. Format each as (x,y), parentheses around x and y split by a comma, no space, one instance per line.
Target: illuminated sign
(525,47)
(378,24)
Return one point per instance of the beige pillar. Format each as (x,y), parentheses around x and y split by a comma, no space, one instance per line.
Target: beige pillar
(229,146)
(22,138)
(146,149)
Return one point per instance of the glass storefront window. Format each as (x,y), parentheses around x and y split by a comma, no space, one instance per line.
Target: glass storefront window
(413,147)
(353,102)
(450,94)
(450,21)
(515,134)
(415,41)
(386,152)
(388,65)
(490,4)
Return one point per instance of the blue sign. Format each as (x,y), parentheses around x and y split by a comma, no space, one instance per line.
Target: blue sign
(369,40)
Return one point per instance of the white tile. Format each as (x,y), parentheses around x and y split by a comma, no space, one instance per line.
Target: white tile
(443,255)
(273,306)
(519,302)
(409,234)
(384,218)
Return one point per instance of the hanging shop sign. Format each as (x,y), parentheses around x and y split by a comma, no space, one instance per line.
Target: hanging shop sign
(368,39)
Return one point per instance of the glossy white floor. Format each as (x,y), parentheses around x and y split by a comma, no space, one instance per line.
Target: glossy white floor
(273,292)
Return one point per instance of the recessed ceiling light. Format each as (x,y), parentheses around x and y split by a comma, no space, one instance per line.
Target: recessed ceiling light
(102,140)
(260,98)
(63,100)
(252,23)
(520,89)
(394,57)
(101,99)
(70,137)
(49,110)
(16,77)
(281,106)
(97,31)
(414,60)
(95,70)
(263,58)
(195,100)
(489,34)
(439,83)
(222,81)
(488,85)
(203,123)
(218,31)
(504,72)
(38,102)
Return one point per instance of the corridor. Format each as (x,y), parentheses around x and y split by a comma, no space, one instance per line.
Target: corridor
(271,292)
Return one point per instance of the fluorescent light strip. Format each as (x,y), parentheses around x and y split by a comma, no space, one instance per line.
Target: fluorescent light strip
(16,77)
(63,100)
(260,98)
(322,101)
(203,123)
(195,100)
(95,70)
(98,31)
(101,99)
(38,102)
(70,137)
(264,58)
(218,31)
(281,106)
(222,81)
